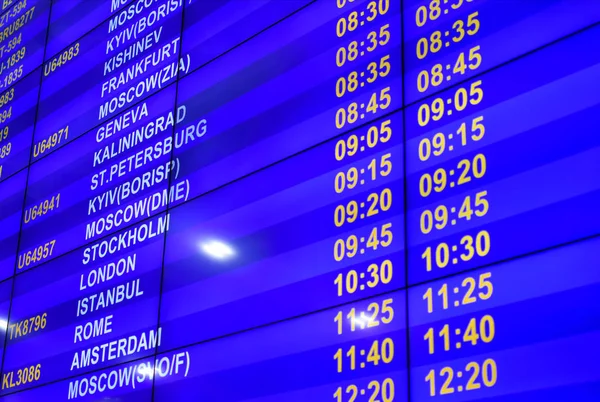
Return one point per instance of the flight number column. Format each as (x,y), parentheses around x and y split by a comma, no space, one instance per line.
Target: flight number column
(17,117)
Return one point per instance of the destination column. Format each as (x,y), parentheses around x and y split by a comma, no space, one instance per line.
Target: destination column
(97,306)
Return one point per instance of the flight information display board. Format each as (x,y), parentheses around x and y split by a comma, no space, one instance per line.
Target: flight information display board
(299,200)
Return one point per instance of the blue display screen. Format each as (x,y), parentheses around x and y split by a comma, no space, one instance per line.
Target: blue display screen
(299,200)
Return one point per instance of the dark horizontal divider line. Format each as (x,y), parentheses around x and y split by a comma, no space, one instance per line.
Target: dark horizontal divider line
(14,277)
(249,38)
(504,63)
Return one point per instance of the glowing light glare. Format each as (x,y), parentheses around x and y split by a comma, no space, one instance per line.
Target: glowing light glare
(3,324)
(218,249)
(362,321)
(146,370)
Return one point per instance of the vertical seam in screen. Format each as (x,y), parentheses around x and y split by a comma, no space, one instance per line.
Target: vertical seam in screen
(405,201)
(171,159)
